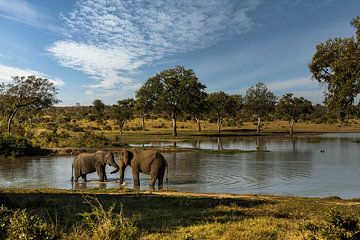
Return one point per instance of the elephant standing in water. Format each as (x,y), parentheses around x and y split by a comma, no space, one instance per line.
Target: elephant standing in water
(149,162)
(86,163)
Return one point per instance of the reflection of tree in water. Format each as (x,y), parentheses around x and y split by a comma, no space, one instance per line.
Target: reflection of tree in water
(260,145)
(219,144)
(183,166)
(285,165)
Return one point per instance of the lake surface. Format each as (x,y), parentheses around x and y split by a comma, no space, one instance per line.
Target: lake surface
(319,165)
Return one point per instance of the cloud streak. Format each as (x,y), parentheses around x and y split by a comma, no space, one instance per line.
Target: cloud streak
(6,74)
(23,12)
(108,40)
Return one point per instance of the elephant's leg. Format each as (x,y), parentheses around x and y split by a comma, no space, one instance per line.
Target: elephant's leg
(84,177)
(100,172)
(135,173)
(152,182)
(154,173)
(104,171)
(161,178)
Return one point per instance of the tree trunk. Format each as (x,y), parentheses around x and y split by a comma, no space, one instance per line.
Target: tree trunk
(259,125)
(11,117)
(143,122)
(198,123)
(174,125)
(291,126)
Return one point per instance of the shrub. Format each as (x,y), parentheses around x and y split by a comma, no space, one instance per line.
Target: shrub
(333,227)
(21,225)
(90,139)
(14,145)
(104,224)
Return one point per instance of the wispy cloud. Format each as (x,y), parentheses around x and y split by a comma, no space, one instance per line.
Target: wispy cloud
(290,84)
(111,39)
(26,13)
(6,74)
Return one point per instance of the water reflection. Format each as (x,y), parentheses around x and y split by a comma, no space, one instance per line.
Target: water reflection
(306,166)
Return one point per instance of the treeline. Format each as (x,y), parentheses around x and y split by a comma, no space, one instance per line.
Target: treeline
(177,93)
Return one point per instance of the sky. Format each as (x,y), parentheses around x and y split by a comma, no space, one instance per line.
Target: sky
(106,49)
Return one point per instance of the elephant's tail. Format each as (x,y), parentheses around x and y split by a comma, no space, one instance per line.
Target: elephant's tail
(167,172)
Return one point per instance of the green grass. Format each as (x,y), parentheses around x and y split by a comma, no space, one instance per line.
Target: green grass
(175,215)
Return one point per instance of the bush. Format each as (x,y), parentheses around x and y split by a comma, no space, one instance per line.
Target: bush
(14,145)
(333,227)
(20,225)
(90,139)
(104,224)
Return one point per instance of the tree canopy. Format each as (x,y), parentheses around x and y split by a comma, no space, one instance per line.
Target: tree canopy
(174,91)
(336,63)
(26,93)
(222,105)
(259,101)
(123,111)
(291,108)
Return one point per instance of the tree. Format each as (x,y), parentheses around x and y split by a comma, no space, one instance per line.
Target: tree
(99,108)
(123,111)
(292,108)
(199,107)
(146,98)
(175,90)
(28,93)
(336,63)
(223,105)
(259,101)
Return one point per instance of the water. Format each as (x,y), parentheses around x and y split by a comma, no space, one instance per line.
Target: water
(316,166)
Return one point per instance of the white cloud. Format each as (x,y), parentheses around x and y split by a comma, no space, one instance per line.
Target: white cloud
(289,84)
(110,39)
(6,74)
(23,12)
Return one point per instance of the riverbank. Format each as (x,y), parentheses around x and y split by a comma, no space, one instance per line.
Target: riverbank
(176,215)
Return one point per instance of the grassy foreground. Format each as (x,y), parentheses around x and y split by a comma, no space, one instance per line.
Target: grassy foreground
(174,215)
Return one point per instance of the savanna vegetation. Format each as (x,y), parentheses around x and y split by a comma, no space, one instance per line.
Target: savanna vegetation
(174,104)
(97,214)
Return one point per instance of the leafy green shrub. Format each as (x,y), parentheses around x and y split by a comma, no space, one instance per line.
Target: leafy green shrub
(74,128)
(90,139)
(20,225)
(334,227)
(104,224)
(107,128)
(14,145)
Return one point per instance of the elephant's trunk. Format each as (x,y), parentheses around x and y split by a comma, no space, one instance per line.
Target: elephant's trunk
(115,166)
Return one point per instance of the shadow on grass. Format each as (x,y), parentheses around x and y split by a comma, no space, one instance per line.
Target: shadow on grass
(153,213)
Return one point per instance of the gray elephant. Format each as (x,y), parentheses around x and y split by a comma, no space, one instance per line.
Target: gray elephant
(86,163)
(148,162)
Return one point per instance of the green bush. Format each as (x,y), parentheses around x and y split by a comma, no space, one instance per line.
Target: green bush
(104,224)
(14,145)
(20,225)
(90,139)
(334,227)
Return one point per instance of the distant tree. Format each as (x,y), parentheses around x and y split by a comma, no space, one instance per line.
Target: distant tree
(291,108)
(123,111)
(223,105)
(146,98)
(26,93)
(175,90)
(99,108)
(259,101)
(198,106)
(336,63)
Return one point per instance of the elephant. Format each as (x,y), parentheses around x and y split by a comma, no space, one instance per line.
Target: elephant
(86,163)
(149,162)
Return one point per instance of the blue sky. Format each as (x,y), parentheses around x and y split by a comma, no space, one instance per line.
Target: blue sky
(106,49)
